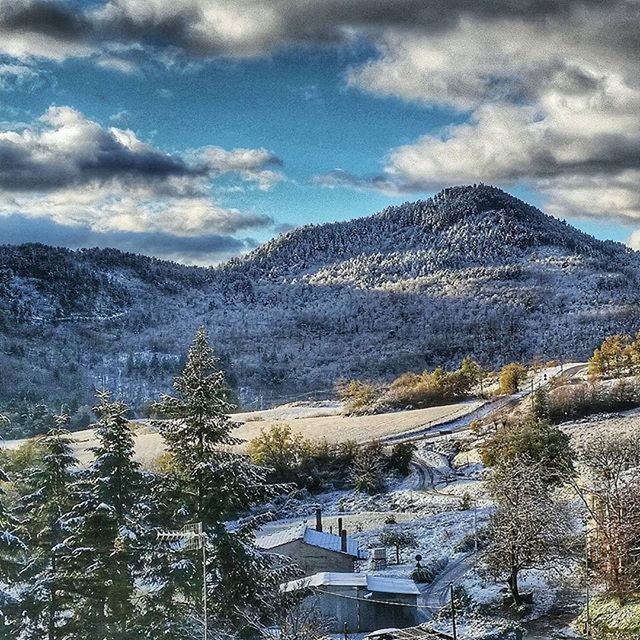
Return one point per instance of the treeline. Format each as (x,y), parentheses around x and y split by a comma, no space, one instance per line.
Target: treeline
(80,556)
(28,417)
(412,390)
(325,466)
(618,356)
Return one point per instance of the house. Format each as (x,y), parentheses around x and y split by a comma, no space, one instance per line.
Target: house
(314,550)
(362,602)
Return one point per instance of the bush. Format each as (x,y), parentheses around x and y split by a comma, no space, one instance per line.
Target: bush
(369,469)
(400,458)
(572,401)
(511,377)
(535,440)
(610,621)
(427,573)
(466,502)
(359,397)
(279,449)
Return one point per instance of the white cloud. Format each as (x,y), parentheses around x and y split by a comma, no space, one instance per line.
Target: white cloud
(550,103)
(634,240)
(72,170)
(551,88)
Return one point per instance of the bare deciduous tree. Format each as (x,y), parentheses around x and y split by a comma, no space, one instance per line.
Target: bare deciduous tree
(528,526)
(610,489)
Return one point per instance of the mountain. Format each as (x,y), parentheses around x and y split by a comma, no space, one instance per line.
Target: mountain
(472,270)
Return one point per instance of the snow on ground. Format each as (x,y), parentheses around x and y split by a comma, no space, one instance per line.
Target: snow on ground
(329,425)
(430,508)
(337,428)
(606,424)
(293,411)
(434,517)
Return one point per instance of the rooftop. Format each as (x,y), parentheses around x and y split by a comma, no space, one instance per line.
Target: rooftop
(372,583)
(321,539)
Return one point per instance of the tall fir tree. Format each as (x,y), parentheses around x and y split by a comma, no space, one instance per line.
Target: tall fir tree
(212,484)
(106,531)
(46,598)
(11,550)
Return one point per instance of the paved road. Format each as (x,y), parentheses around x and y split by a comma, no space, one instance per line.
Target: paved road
(437,595)
(456,425)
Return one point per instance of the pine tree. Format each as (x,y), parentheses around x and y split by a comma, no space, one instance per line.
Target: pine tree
(106,523)
(11,548)
(46,596)
(212,484)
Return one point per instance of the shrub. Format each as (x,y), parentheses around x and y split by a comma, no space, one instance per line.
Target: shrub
(511,377)
(359,397)
(535,440)
(400,458)
(427,573)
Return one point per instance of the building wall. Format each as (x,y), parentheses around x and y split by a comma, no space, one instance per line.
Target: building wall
(349,605)
(313,559)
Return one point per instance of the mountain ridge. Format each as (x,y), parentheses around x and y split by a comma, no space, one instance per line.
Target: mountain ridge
(439,213)
(472,270)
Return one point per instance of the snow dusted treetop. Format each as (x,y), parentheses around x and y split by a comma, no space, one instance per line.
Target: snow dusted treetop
(118,475)
(47,586)
(10,546)
(198,413)
(212,484)
(217,482)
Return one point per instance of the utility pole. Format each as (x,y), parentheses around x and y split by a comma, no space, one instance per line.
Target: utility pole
(587,587)
(204,588)
(453,614)
(475,530)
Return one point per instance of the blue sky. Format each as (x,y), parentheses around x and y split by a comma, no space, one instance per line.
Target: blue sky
(196,150)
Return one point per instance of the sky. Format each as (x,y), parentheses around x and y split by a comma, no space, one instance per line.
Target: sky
(194,130)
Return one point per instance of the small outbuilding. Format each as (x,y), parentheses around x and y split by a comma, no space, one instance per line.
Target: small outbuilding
(362,602)
(314,551)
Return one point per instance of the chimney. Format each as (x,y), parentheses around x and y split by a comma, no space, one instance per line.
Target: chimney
(339,526)
(343,540)
(318,519)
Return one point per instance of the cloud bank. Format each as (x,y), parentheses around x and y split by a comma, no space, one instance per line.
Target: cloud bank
(549,90)
(74,172)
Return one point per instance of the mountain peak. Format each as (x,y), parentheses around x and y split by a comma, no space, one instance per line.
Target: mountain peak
(452,204)
(459,227)
(472,270)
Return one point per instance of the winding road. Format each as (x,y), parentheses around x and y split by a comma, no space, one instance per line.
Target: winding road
(461,423)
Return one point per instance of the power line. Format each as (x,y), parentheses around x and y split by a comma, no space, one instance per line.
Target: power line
(386,602)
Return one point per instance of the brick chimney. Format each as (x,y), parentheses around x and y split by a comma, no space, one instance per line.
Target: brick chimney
(343,540)
(318,519)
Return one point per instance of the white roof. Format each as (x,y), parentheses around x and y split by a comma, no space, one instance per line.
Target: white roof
(378,584)
(310,536)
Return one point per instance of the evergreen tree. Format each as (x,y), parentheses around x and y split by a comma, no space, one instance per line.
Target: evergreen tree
(106,530)
(11,547)
(46,596)
(212,484)
(540,409)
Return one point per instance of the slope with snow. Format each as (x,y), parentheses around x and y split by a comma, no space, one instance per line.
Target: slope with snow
(472,270)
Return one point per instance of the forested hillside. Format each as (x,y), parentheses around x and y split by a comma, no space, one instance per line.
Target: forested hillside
(472,270)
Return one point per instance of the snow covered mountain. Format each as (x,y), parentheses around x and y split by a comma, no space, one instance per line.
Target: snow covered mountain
(472,270)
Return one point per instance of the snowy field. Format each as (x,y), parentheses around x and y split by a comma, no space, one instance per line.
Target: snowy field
(337,428)
(313,420)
